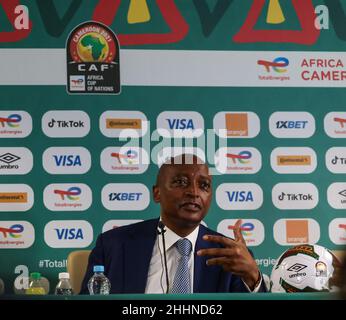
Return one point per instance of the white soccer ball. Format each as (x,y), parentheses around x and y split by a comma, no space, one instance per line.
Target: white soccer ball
(304,268)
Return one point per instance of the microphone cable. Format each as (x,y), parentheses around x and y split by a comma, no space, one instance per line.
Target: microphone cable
(162,231)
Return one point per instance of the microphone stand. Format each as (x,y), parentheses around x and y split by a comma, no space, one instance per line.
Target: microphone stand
(162,232)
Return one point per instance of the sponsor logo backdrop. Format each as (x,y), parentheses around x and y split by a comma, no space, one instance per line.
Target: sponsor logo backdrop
(262,101)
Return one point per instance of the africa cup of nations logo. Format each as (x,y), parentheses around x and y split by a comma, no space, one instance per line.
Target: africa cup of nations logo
(93,60)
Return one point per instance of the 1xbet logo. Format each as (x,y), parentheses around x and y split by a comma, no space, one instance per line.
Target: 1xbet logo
(124,196)
(291,124)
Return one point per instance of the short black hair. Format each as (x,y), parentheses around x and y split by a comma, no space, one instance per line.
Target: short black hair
(184,158)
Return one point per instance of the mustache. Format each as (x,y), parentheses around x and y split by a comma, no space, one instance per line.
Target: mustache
(198,204)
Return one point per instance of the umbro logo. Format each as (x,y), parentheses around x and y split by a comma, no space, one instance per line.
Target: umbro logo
(343,193)
(8,158)
(297,267)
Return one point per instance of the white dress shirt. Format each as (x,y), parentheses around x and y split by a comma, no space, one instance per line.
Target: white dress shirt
(156,280)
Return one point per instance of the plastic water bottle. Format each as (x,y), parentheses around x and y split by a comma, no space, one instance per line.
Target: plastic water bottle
(99,283)
(35,285)
(64,287)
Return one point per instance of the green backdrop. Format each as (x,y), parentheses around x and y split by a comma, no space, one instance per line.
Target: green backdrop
(208,30)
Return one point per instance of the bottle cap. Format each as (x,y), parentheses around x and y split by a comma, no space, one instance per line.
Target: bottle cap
(64,275)
(35,275)
(99,268)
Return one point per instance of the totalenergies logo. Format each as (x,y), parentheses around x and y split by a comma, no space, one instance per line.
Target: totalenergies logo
(12,120)
(13,231)
(341,121)
(277,64)
(130,156)
(77,81)
(71,194)
(342,226)
(242,157)
(245,228)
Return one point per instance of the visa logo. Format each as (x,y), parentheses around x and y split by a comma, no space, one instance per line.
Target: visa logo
(125,196)
(67,160)
(239,196)
(180,124)
(69,234)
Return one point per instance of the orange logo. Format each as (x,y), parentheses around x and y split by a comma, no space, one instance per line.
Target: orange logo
(237,124)
(297,231)
(11,197)
(123,123)
(293,160)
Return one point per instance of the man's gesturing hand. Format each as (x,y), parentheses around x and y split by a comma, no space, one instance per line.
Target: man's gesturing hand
(234,257)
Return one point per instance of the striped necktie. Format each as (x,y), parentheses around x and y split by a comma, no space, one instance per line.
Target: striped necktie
(181,282)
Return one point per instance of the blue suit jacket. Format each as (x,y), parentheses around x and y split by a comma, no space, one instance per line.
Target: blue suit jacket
(126,252)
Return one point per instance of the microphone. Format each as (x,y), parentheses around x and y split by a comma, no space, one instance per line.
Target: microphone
(162,231)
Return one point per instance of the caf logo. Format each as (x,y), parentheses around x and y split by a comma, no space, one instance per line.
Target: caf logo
(93,60)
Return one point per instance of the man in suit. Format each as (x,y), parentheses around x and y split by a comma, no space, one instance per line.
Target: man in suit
(145,257)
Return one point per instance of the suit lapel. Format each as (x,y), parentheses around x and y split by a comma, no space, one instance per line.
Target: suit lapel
(206,278)
(137,255)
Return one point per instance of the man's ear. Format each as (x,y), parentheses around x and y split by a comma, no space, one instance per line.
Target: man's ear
(156,194)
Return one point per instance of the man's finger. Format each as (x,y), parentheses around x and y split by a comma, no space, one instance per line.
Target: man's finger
(221,261)
(227,242)
(237,232)
(221,252)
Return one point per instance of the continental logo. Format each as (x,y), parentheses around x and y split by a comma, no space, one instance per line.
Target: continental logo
(293,160)
(124,123)
(13,197)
